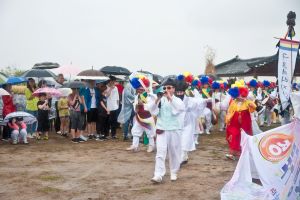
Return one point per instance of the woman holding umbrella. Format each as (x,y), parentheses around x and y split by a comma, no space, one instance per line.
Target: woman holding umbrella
(8,107)
(31,104)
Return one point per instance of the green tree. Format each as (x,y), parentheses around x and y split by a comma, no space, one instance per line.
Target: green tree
(12,71)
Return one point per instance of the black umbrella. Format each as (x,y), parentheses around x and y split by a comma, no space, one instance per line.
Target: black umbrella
(39,73)
(46,65)
(174,77)
(73,84)
(157,78)
(114,70)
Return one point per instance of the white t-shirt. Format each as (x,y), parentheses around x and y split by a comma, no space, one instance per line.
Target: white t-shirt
(93,102)
(113,100)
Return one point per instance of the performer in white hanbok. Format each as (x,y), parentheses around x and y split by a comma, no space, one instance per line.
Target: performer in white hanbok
(190,116)
(143,121)
(168,108)
(218,108)
(254,115)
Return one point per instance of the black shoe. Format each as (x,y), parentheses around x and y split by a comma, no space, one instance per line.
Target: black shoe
(80,140)
(125,138)
(91,137)
(75,140)
(104,138)
(114,137)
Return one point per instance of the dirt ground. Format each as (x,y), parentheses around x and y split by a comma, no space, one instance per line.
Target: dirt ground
(58,169)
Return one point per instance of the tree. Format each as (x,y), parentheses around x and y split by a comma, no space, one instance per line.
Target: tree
(210,55)
(12,71)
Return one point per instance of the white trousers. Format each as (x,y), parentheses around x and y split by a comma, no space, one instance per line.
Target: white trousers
(207,115)
(19,136)
(138,130)
(167,142)
(221,119)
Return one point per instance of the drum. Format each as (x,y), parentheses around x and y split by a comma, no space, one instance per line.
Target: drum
(260,109)
(269,102)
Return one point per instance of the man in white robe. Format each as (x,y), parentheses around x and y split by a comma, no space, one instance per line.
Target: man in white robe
(168,108)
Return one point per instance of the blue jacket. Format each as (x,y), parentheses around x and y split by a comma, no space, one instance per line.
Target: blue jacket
(85,92)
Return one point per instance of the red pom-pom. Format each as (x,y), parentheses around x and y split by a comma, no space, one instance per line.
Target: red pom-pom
(199,84)
(146,82)
(189,78)
(210,81)
(243,92)
(222,85)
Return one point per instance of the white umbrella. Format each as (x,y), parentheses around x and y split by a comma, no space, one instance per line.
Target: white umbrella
(100,78)
(3,92)
(27,118)
(65,91)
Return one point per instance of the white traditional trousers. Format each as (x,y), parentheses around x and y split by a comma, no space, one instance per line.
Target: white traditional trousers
(167,142)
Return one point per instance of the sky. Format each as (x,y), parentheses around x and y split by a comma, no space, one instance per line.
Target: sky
(160,36)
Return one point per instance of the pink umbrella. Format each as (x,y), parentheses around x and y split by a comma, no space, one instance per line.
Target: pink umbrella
(47,90)
(67,70)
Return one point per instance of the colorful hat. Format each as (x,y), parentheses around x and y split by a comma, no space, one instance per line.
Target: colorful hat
(216,85)
(253,83)
(204,80)
(266,83)
(238,89)
(139,80)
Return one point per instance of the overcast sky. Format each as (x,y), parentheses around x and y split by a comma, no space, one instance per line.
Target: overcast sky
(161,36)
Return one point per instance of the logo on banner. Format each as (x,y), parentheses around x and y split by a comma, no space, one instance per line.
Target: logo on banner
(276,147)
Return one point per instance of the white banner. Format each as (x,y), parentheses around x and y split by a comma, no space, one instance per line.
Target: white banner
(273,157)
(288,51)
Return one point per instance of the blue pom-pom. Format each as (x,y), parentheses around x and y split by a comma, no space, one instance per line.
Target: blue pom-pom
(234,92)
(135,83)
(266,83)
(215,85)
(180,77)
(253,83)
(295,86)
(204,80)
(225,85)
(195,82)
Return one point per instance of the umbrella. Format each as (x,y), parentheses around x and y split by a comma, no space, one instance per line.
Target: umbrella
(27,118)
(3,92)
(167,77)
(3,78)
(39,73)
(91,75)
(115,70)
(47,90)
(65,91)
(46,65)
(157,78)
(16,80)
(69,71)
(73,84)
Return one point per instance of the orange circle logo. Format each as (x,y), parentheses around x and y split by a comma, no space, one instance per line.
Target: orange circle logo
(276,146)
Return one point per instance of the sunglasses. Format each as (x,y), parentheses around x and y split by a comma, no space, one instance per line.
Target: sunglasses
(168,88)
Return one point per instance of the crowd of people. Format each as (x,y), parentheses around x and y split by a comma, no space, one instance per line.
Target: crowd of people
(172,114)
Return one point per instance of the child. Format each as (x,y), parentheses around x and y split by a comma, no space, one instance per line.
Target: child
(64,114)
(43,117)
(15,125)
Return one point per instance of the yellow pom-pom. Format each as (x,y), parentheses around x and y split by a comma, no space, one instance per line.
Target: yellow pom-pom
(185,74)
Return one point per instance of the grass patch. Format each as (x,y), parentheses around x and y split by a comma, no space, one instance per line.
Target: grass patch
(48,190)
(146,190)
(50,177)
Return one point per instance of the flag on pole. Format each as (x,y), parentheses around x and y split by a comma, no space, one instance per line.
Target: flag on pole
(288,51)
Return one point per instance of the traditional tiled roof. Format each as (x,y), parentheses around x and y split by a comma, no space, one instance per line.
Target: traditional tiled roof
(261,66)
